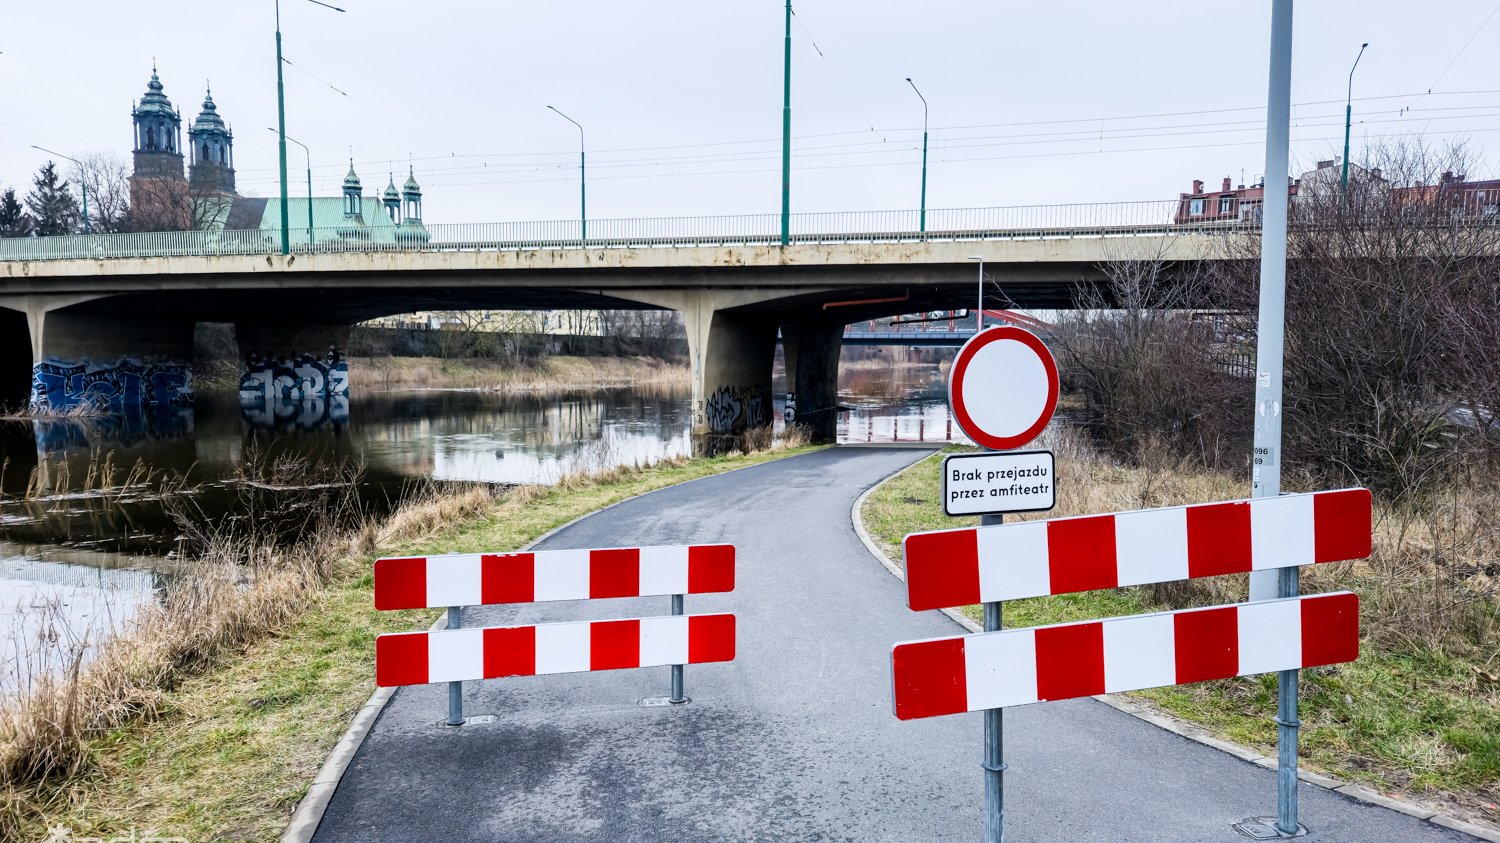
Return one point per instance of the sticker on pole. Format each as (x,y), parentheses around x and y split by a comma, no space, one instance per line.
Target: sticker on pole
(984,484)
(1003,388)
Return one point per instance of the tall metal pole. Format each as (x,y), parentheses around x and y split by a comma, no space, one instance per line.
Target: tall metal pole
(307,152)
(786,134)
(1349,119)
(979,316)
(994,736)
(922,220)
(1266,470)
(583,203)
(286,234)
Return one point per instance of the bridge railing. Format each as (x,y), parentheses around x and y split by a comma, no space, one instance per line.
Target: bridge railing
(1118,219)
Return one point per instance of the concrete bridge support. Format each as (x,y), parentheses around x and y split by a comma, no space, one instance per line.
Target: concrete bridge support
(85,354)
(732,347)
(292,361)
(812,351)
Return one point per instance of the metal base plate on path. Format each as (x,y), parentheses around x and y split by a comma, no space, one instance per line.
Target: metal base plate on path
(476,720)
(653,702)
(1264,828)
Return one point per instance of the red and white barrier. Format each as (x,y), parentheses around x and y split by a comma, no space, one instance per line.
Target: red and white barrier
(417,658)
(1057,556)
(1020,666)
(475,579)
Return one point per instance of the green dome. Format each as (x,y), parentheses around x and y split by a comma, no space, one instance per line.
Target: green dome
(351,180)
(411,185)
(155,101)
(390,194)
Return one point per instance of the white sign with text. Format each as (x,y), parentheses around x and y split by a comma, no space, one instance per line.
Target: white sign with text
(1009,481)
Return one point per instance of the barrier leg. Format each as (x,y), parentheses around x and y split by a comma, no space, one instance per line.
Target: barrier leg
(994,738)
(455,689)
(677,698)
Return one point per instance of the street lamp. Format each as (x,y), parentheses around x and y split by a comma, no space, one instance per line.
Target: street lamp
(786,134)
(286,235)
(923,219)
(308,153)
(83,183)
(583,200)
(979,318)
(1349,118)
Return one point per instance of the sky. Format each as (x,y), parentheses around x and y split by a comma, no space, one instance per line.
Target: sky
(1030,103)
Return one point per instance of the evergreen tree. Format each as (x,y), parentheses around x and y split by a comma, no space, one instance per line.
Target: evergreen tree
(53,208)
(14,221)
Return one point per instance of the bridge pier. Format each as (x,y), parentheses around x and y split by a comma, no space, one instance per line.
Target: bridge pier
(812,351)
(91,356)
(285,360)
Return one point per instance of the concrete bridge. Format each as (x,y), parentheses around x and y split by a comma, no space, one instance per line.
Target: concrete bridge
(111,317)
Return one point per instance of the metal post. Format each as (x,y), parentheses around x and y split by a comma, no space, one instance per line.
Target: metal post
(286,234)
(677,698)
(84,186)
(786,134)
(994,736)
(309,200)
(1349,119)
(455,689)
(922,220)
(583,201)
(979,317)
(1266,470)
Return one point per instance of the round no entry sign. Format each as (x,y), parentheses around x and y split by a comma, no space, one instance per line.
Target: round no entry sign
(1003,387)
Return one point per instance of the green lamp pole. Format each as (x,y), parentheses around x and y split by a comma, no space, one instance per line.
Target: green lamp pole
(286,234)
(583,187)
(923,219)
(83,184)
(786,135)
(308,153)
(1349,119)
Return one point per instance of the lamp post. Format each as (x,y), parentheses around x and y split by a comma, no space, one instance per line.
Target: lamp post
(1349,119)
(922,220)
(786,134)
(83,184)
(583,196)
(308,153)
(286,236)
(979,317)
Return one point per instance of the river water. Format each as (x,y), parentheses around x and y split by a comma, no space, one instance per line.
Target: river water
(85,536)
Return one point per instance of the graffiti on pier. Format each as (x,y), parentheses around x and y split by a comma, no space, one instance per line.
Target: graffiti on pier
(302,414)
(294,378)
(124,384)
(735,408)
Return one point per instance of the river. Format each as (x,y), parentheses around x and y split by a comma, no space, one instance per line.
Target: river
(85,536)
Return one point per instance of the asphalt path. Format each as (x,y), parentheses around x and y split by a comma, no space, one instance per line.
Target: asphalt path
(794,740)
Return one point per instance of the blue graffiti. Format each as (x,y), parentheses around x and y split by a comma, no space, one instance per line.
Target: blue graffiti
(294,378)
(124,384)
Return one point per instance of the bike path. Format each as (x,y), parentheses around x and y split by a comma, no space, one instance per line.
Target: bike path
(794,740)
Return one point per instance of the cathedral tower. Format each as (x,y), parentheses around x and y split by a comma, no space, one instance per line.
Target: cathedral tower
(212,145)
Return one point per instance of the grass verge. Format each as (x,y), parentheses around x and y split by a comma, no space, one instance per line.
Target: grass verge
(1416,716)
(227,750)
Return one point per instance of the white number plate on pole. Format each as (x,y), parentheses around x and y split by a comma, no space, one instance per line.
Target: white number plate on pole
(1013,481)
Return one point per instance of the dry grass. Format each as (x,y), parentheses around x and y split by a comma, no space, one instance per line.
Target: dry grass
(1418,714)
(545,374)
(61,735)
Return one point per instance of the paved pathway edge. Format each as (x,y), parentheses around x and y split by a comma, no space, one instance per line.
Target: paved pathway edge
(1182,727)
(309,812)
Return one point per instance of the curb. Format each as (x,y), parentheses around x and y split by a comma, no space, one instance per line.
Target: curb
(1191,731)
(309,812)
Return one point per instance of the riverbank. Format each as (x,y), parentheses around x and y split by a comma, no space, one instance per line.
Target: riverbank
(1418,715)
(543,374)
(214,731)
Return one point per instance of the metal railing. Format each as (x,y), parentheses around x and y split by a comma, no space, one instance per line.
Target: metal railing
(1120,219)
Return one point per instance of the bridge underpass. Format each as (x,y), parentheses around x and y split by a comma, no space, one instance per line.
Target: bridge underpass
(94,324)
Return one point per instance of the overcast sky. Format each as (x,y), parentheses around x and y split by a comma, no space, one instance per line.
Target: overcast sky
(1031,103)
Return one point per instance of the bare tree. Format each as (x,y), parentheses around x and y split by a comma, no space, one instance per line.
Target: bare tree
(173,204)
(106,177)
(1391,322)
